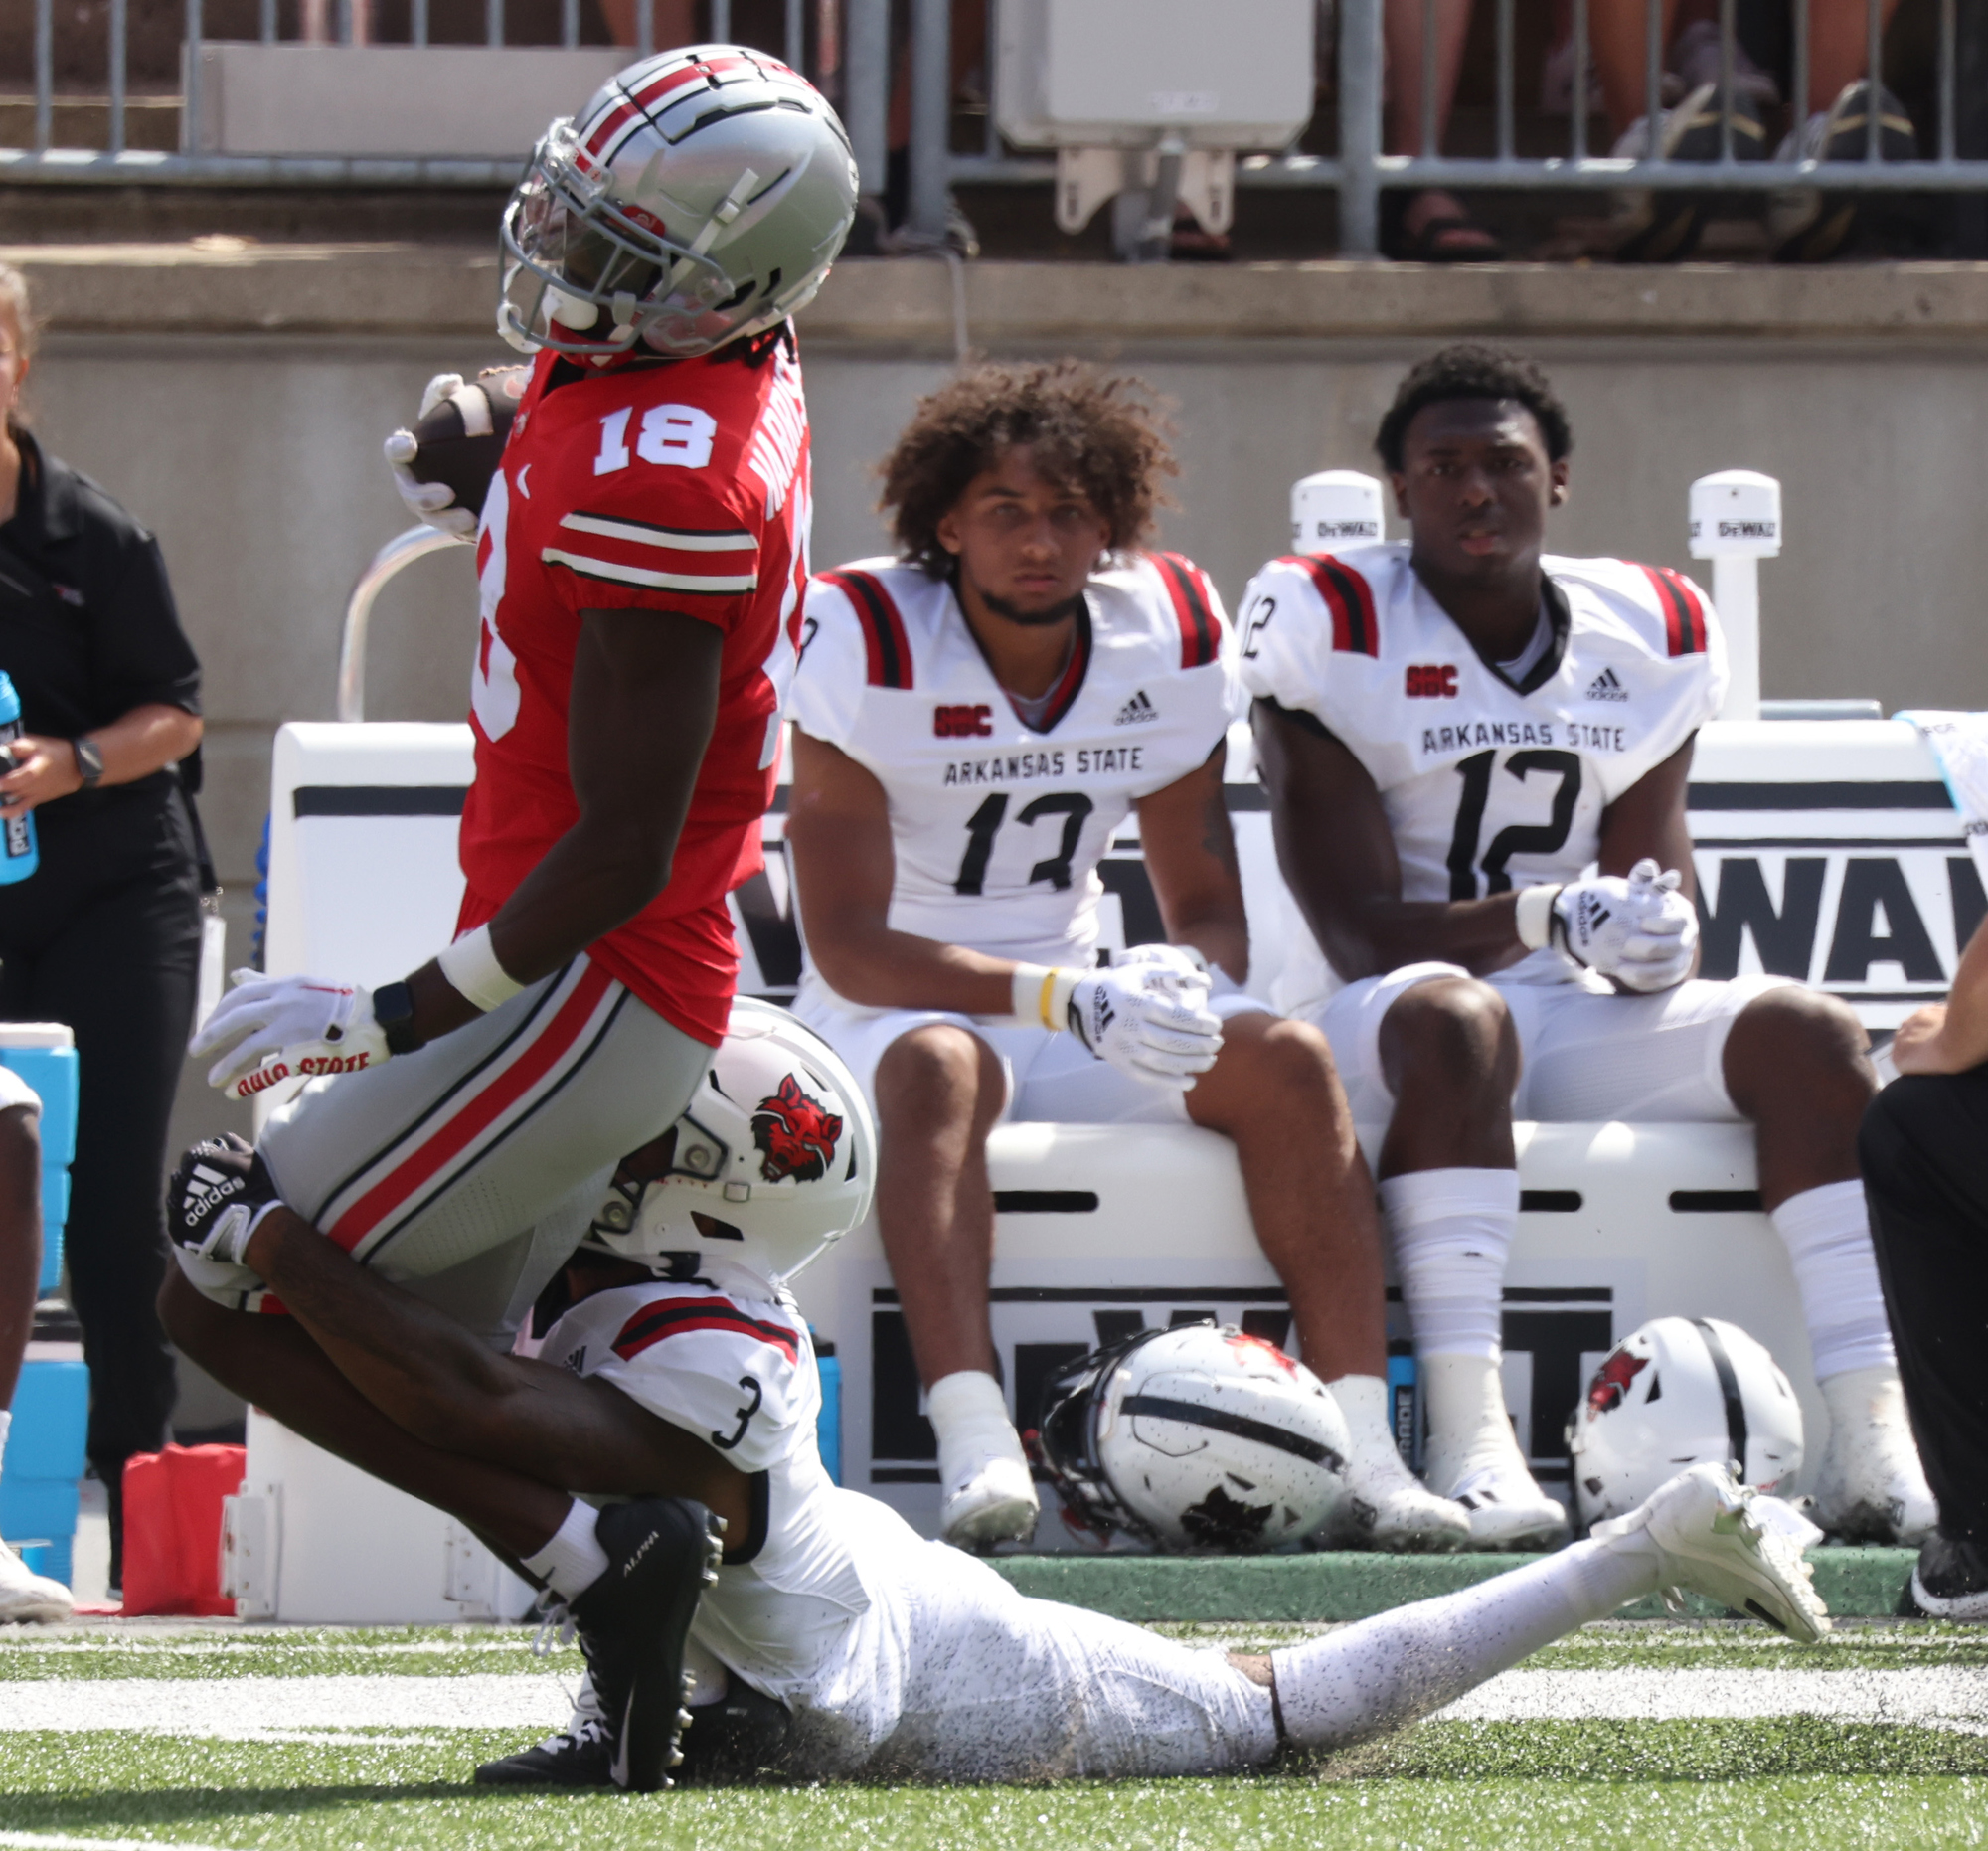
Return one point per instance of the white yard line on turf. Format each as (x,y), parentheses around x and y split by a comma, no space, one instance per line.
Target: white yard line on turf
(51,1841)
(1929,1694)
(259,1706)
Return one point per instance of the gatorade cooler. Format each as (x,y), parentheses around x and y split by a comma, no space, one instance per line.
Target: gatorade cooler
(44,1466)
(44,1055)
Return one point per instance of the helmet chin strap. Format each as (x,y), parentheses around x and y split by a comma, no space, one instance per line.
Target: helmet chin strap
(728,209)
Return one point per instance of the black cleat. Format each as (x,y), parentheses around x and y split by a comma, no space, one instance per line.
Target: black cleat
(580,1755)
(634,1624)
(737,1741)
(740,1738)
(1951,1581)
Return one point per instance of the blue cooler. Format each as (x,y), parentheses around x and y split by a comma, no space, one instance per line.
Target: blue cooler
(40,1480)
(43,1469)
(44,1055)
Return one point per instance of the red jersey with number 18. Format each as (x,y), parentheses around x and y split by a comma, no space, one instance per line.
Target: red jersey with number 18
(678,486)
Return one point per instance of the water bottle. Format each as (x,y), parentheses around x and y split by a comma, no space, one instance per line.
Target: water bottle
(21,856)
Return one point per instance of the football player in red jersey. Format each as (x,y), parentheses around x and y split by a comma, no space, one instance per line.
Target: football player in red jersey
(641,558)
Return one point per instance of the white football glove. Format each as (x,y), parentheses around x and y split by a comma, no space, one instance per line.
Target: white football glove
(1148,1021)
(276,1027)
(1639,930)
(1177,966)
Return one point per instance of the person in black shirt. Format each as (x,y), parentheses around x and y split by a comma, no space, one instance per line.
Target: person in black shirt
(105,934)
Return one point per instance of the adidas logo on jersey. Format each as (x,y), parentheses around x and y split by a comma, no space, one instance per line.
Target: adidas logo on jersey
(1136,711)
(576,1360)
(1606,687)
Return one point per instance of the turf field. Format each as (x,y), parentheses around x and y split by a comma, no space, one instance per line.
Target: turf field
(1642,1734)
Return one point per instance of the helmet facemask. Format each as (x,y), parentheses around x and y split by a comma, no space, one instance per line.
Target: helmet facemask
(588,274)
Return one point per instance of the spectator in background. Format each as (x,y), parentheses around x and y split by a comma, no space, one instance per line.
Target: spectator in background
(24,1595)
(1430,226)
(105,934)
(1925,1153)
(1804,224)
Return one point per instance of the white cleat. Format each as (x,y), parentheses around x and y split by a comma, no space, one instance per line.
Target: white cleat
(26,1596)
(1506,1509)
(989,1498)
(1869,1486)
(1731,1544)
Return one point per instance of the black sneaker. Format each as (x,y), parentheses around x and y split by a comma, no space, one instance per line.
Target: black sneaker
(633,1623)
(1808,225)
(1951,1579)
(740,1738)
(1664,227)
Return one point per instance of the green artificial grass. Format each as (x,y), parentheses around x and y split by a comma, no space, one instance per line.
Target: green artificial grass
(1559,1786)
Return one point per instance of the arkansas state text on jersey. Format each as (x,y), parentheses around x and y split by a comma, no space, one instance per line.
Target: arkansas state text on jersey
(998,826)
(1487,786)
(678,486)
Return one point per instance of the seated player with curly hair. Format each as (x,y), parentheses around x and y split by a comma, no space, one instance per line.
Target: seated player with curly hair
(974,719)
(1477,755)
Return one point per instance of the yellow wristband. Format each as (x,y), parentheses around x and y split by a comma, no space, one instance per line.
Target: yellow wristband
(1039,994)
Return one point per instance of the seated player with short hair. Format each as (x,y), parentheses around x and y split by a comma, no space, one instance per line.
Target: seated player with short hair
(834,1639)
(973,721)
(1477,760)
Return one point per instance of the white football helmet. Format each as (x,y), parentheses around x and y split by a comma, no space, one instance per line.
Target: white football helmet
(771,1166)
(1678,1391)
(1198,1437)
(701,196)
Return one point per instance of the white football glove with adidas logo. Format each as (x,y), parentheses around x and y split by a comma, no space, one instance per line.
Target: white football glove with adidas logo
(1149,1018)
(1639,929)
(274,1028)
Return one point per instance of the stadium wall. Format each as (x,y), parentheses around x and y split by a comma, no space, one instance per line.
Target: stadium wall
(233,394)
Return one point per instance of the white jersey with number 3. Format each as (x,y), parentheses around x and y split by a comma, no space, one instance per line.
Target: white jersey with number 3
(997,826)
(1487,785)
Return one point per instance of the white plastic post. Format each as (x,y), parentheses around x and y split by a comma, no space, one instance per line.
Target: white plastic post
(1335,508)
(1735,521)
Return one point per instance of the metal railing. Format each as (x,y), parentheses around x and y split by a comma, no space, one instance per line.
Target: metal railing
(852,39)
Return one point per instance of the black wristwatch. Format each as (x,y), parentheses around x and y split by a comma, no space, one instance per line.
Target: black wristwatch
(394,1010)
(89,762)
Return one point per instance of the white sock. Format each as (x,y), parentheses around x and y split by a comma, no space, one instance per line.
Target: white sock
(574,1560)
(1866,1402)
(1363,1403)
(1827,1232)
(1381,1672)
(969,1413)
(1469,1430)
(1453,1232)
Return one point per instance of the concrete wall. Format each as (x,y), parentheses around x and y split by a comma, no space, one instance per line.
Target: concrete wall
(235,396)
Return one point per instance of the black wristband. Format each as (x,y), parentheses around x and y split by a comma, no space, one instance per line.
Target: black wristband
(394,1010)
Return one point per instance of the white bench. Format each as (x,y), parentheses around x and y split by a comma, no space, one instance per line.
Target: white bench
(1825,850)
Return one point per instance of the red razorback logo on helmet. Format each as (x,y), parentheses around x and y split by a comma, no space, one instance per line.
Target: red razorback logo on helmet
(1612,1379)
(798,1134)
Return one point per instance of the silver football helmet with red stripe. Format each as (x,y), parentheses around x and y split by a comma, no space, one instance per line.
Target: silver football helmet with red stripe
(771,1166)
(701,196)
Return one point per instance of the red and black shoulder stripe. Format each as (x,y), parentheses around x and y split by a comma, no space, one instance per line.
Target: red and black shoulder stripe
(1348,596)
(1681,608)
(1193,600)
(672,1317)
(885,642)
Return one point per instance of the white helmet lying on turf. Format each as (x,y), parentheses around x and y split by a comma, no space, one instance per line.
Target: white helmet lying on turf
(772,1163)
(1198,1437)
(1678,1391)
(699,196)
